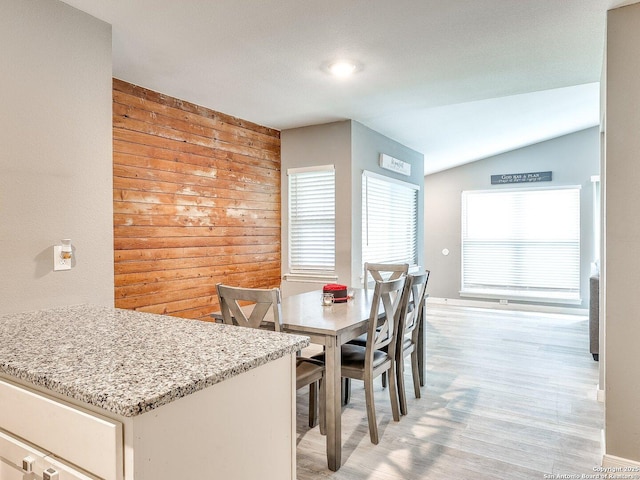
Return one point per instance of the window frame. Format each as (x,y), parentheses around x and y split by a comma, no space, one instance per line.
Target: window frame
(413,190)
(531,244)
(298,269)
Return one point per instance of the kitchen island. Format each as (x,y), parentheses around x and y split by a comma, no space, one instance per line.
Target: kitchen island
(125,395)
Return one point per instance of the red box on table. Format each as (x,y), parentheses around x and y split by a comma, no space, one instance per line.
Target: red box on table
(339,292)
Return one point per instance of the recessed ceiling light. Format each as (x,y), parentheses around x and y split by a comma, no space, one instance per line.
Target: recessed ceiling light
(342,68)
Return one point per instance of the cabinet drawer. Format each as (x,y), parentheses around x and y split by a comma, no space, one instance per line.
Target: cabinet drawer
(19,461)
(91,441)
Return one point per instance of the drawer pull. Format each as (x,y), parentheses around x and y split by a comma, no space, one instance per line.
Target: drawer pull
(50,474)
(27,464)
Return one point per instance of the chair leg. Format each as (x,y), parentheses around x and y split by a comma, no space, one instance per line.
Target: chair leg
(415,373)
(402,396)
(313,404)
(384,380)
(346,391)
(323,412)
(371,409)
(393,393)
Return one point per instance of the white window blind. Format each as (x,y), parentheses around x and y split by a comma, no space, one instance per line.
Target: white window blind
(522,243)
(312,220)
(389,220)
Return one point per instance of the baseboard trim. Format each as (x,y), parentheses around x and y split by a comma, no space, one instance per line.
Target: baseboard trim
(600,394)
(612,464)
(496,305)
(619,464)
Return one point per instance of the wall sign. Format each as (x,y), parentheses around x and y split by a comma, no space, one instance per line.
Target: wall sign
(395,165)
(521,178)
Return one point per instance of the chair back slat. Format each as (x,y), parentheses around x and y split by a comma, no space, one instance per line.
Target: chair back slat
(419,299)
(383,326)
(383,271)
(235,306)
(412,314)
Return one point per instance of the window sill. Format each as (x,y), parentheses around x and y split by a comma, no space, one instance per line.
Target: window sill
(310,277)
(522,296)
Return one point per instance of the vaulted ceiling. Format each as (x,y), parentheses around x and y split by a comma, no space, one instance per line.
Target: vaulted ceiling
(457,80)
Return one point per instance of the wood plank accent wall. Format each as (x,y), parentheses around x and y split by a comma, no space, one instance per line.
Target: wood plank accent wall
(196,201)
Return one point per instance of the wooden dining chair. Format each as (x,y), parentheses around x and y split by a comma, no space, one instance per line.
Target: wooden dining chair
(412,313)
(235,306)
(383,271)
(368,362)
(232,300)
(379,272)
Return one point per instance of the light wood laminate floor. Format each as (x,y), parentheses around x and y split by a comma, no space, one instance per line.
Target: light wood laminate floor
(509,395)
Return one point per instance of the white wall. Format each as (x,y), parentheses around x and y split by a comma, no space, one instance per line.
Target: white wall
(55,155)
(621,275)
(573,159)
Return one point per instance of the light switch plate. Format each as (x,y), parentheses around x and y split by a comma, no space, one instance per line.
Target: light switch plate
(58,262)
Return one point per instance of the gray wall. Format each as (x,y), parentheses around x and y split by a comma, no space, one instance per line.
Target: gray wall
(621,272)
(55,155)
(573,159)
(367,147)
(352,148)
(327,144)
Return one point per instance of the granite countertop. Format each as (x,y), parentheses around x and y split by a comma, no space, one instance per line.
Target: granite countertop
(129,362)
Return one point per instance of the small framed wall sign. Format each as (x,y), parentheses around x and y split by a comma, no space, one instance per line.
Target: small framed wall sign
(521,178)
(389,163)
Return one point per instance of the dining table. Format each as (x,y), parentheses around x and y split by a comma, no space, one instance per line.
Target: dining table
(332,326)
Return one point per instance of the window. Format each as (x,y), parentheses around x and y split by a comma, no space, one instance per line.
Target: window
(522,244)
(312,215)
(389,220)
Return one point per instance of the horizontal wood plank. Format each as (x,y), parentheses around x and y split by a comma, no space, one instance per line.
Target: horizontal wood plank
(222,170)
(161,99)
(237,274)
(186,252)
(128,243)
(208,158)
(131,141)
(211,231)
(201,193)
(267,202)
(157,130)
(137,171)
(189,263)
(231,218)
(189,123)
